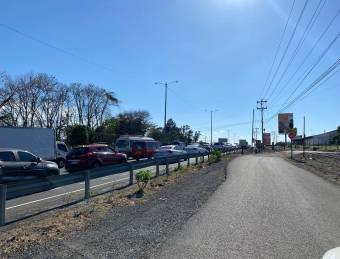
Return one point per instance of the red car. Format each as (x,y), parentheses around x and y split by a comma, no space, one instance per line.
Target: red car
(92,156)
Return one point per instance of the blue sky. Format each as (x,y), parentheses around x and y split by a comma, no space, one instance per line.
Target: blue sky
(220,51)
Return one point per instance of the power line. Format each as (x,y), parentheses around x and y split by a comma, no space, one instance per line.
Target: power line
(287,47)
(307,55)
(278,47)
(307,30)
(313,66)
(315,84)
(64,51)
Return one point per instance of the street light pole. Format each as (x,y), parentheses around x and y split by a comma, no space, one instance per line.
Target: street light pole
(211,124)
(166,84)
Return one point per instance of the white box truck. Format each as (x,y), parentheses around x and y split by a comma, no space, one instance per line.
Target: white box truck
(39,141)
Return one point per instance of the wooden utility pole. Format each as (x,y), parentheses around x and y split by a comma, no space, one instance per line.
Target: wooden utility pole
(262,107)
(252,129)
(304,136)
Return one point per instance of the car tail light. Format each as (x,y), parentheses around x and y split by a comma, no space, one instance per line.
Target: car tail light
(89,153)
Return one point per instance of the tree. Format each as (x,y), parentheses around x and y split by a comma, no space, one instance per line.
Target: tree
(133,123)
(77,135)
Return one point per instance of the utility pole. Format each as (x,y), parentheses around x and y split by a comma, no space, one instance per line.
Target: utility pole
(304,136)
(256,129)
(252,129)
(263,106)
(166,84)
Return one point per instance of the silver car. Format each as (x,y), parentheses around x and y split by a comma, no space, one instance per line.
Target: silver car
(195,149)
(169,151)
(16,165)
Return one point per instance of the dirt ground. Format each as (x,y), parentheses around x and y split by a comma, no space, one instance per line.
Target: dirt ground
(320,164)
(114,225)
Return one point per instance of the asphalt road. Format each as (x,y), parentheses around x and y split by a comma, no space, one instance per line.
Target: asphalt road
(39,202)
(267,208)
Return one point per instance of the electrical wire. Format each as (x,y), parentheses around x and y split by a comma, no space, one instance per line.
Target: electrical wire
(287,47)
(278,48)
(307,30)
(307,56)
(314,85)
(64,51)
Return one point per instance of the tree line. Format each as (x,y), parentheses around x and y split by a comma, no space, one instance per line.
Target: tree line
(79,113)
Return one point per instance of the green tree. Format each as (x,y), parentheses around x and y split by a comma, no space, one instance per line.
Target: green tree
(133,123)
(77,135)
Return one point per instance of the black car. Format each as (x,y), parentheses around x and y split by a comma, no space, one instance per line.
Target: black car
(17,165)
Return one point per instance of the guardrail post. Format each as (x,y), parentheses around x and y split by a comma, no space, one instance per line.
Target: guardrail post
(87,184)
(188,160)
(131,175)
(196,159)
(157,168)
(3,190)
(167,166)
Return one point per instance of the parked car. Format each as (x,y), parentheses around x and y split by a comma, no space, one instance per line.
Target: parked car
(39,141)
(125,144)
(17,165)
(92,156)
(195,149)
(169,151)
(144,149)
(218,146)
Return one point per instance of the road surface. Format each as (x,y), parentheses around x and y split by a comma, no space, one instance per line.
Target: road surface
(22,207)
(267,208)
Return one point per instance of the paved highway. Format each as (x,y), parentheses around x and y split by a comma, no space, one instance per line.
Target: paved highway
(267,208)
(36,203)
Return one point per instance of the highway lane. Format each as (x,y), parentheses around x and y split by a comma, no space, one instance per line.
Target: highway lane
(267,208)
(32,204)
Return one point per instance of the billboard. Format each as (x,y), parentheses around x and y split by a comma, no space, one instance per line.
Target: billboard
(266,139)
(286,122)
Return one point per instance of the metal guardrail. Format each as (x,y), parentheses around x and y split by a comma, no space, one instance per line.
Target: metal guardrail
(19,189)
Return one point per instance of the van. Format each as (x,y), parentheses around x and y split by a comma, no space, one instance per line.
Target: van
(144,149)
(145,146)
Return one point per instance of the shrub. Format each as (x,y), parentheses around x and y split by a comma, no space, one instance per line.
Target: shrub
(217,154)
(142,178)
(215,157)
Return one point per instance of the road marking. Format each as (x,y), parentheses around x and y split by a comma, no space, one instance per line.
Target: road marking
(62,194)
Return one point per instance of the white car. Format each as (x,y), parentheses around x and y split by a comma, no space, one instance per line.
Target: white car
(195,149)
(169,151)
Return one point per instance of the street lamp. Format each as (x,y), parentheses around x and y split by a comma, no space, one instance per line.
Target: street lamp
(166,96)
(211,124)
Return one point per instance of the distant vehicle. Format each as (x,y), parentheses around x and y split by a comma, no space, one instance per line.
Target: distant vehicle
(195,149)
(169,151)
(39,141)
(144,149)
(17,165)
(218,146)
(243,143)
(124,144)
(92,156)
(179,143)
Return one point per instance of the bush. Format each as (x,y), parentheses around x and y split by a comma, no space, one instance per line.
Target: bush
(215,157)
(142,178)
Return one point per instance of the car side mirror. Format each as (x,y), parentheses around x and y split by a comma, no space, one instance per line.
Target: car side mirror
(38,160)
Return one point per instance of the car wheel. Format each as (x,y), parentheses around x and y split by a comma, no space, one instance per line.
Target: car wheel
(61,162)
(96,165)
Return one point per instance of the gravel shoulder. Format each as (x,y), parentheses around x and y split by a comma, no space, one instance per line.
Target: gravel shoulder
(327,167)
(114,226)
